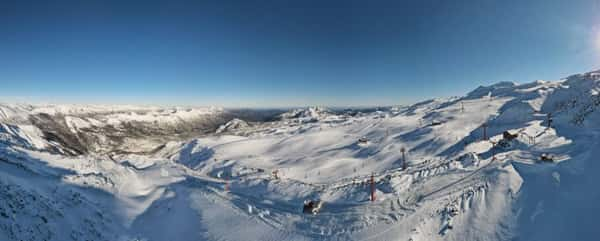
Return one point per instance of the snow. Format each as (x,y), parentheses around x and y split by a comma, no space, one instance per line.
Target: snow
(232,125)
(248,180)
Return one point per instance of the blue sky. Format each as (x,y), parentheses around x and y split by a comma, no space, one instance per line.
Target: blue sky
(286,53)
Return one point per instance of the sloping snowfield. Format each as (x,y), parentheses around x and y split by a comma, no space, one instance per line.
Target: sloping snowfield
(504,162)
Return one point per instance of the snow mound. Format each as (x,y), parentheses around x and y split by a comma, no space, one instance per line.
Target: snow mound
(469,160)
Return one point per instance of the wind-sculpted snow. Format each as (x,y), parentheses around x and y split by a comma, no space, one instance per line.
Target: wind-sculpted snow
(145,173)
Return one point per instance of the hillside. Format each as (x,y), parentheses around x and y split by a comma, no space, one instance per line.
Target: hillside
(504,162)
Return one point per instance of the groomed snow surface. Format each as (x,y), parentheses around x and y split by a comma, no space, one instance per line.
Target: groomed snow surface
(504,162)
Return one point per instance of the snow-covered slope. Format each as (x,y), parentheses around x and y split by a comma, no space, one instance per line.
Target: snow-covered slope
(505,162)
(311,114)
(86,129)
(232,125)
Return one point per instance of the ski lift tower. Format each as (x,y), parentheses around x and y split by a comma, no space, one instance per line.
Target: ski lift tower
(372,187)
(404,164)
(485,125)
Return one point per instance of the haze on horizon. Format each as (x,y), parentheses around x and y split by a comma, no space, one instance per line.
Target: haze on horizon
(277,54)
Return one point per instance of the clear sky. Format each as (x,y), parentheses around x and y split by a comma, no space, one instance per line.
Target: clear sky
(286,53)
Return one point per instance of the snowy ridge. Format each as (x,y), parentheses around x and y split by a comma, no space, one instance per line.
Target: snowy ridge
(82,129)
(232,125)
(307,115)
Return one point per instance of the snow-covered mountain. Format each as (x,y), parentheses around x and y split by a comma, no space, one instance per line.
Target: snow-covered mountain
(85,129)
(504,162)
(232,125)
(310,112)
(307,115)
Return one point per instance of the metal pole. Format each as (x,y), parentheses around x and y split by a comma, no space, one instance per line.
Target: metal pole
(372,188)
(485,131)
(404,164)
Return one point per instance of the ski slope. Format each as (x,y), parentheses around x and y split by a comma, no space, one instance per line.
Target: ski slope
(148,173)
